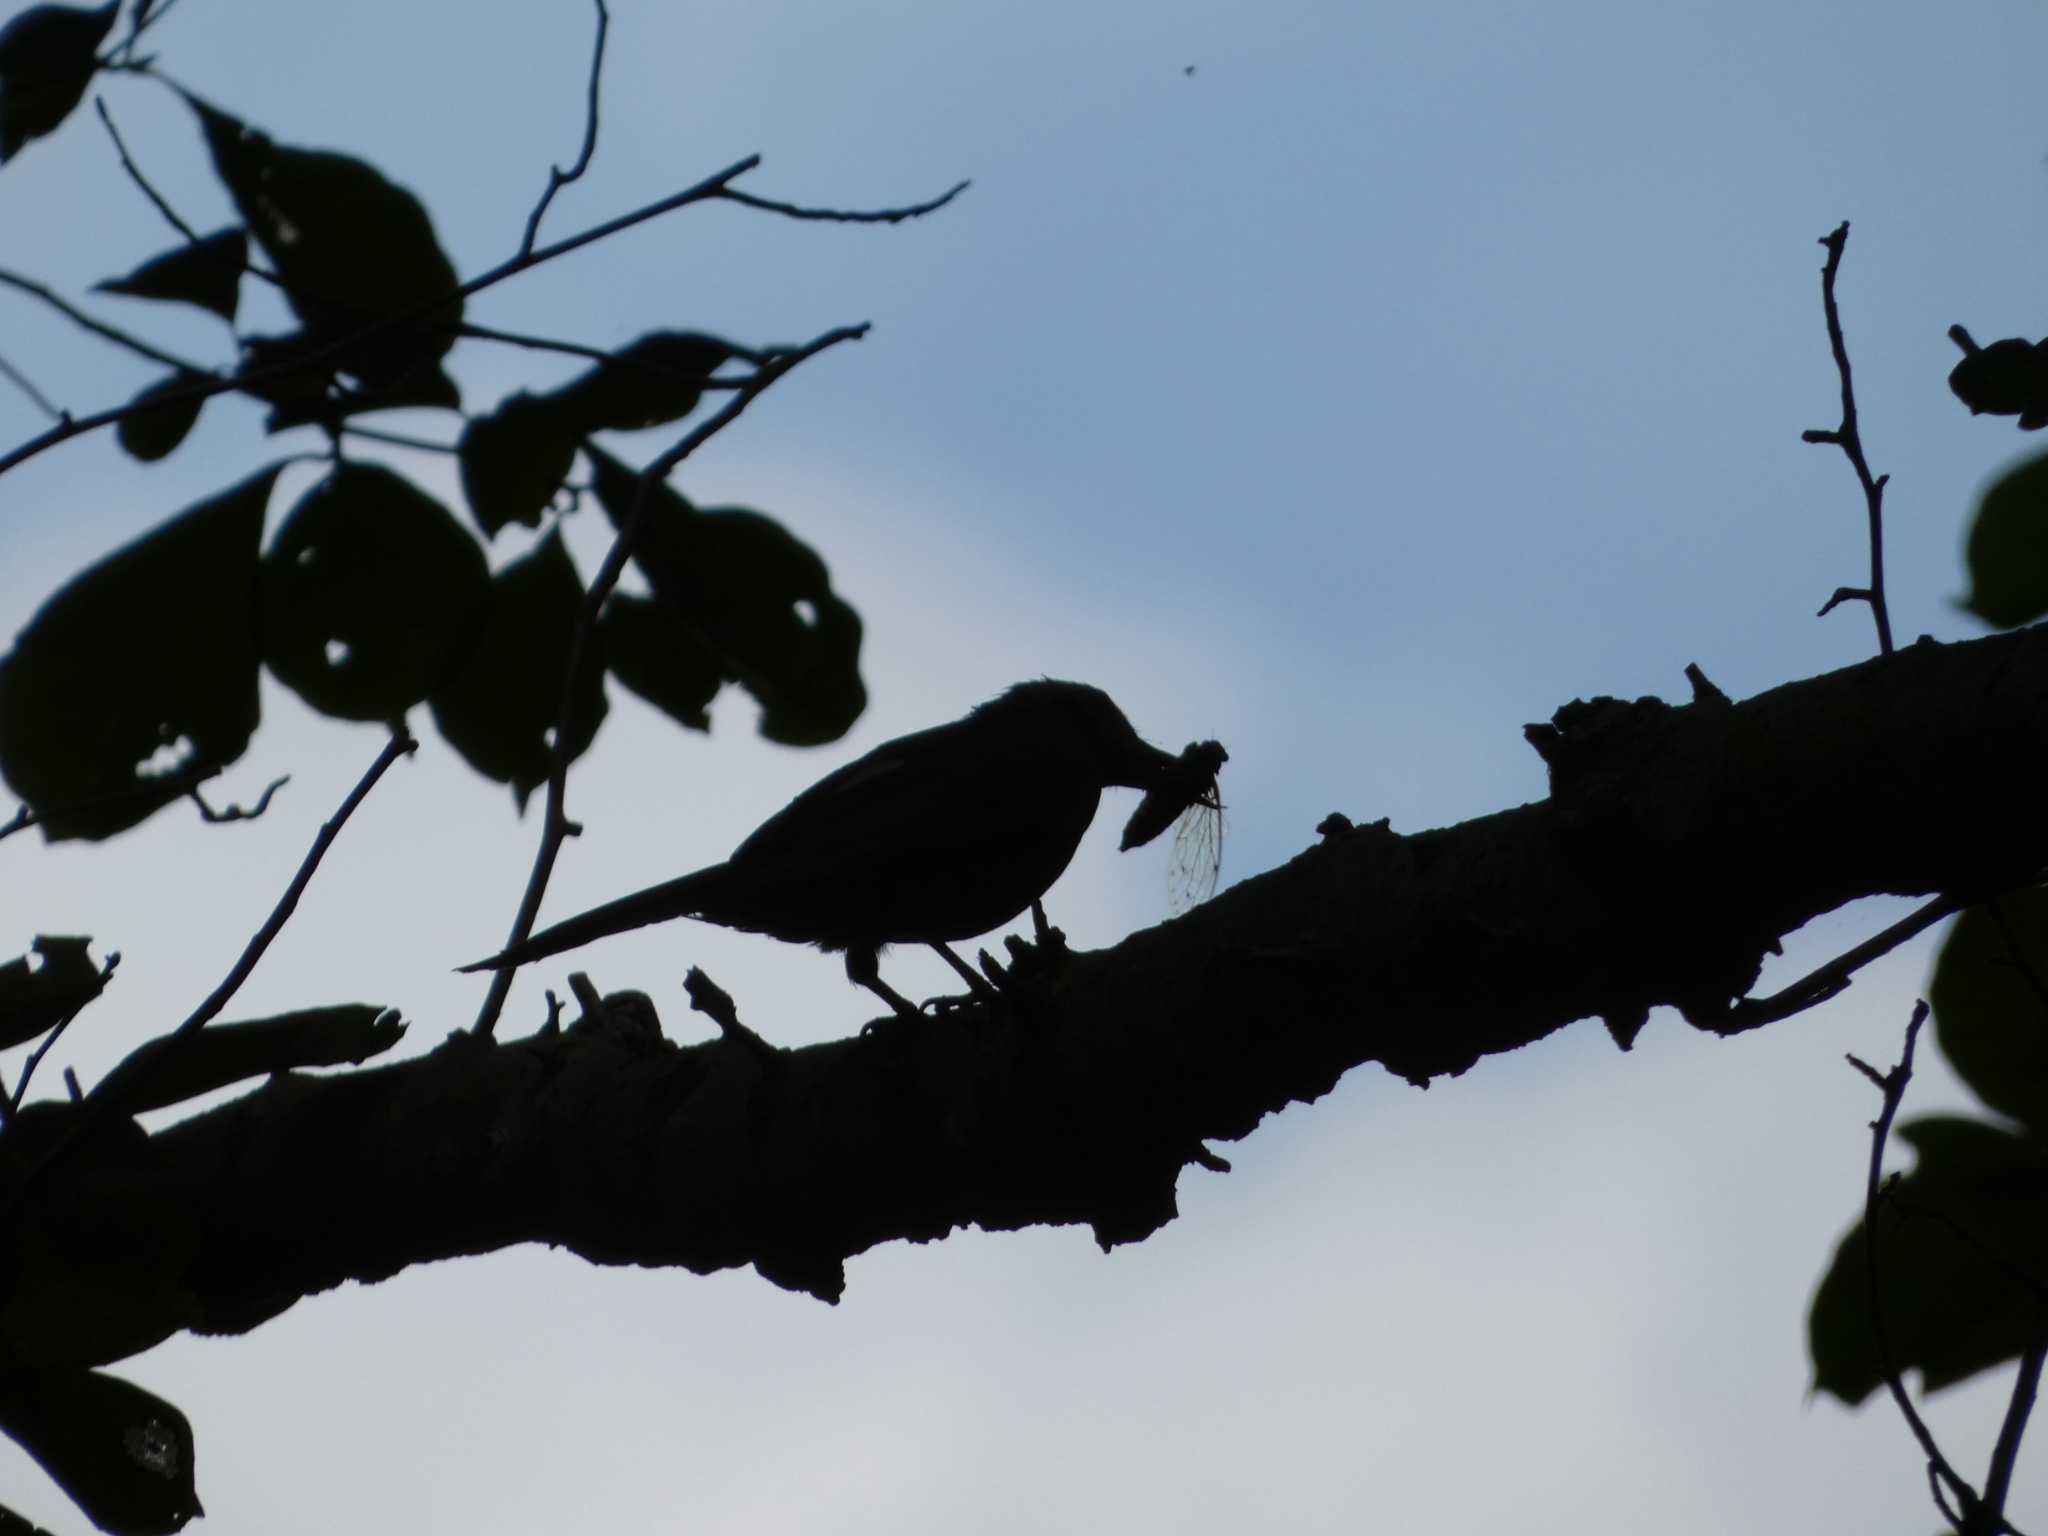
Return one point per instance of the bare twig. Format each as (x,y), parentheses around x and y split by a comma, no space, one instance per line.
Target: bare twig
(555,824)
(135,175)
(2026,1385)
(611,355)
(192,237)
(709,998)
(145,17)
(588,998)
(1832,979)
(22,382)
(235,812)
(1850,440)
(209,385)
(28,1070)
(557,177)
(839,216)
(101,1104)
(71,426)
(1997,1257)
(399,745)
(2004,1455)
(185,777)
(395,439)
(1892,1085)
(2016,952)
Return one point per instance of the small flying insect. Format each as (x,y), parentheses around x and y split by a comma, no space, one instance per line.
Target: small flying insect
(1192,794)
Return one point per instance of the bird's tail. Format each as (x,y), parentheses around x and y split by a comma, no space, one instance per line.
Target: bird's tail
(681,897)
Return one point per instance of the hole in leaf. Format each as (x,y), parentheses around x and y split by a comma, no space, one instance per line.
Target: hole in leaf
(152,1446)
(307,555)
(172,757)
(807,612)
(337,653)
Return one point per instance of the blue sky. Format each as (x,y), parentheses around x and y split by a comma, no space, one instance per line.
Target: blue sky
(1401,374)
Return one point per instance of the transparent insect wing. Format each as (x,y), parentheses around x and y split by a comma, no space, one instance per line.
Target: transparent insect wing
(1197,860)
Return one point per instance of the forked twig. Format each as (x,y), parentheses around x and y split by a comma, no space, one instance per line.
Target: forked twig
(1849,439)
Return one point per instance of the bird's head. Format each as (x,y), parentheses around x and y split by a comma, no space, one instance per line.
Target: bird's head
(1082,724)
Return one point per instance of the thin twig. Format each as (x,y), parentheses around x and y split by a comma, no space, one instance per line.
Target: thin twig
(2027,1384)
(192,236)
(56,1030)
(1832,979)
(399,745)
(395,439)
(22,382)
(28,1071)
(145,17)
(840,216)
(1892,1085)
(135,175)
(235,812)
(555,824)
(120,338)
(613,356)
(1997,1257)
(1850,440)
(210,385)
(2016,952)
(1998,1481)
(184,777)
(100,1104)
(557,177)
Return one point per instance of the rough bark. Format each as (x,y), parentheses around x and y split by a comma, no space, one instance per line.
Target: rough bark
(1678,844)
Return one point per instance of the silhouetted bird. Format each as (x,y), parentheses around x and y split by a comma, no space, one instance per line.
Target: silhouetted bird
(940,835)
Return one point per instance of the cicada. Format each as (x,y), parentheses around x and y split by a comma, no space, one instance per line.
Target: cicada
(1191,793)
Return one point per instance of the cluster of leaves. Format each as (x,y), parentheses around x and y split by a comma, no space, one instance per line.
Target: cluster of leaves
(1963,1238)
(139,678)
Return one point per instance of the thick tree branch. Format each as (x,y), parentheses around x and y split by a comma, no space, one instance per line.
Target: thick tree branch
(1678,846)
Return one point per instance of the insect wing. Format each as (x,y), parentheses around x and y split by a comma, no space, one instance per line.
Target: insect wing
(1197,861)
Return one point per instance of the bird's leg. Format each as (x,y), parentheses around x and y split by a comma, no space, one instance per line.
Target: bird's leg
(864,969)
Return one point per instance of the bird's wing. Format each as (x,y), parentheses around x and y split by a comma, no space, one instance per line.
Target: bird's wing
(939,835)
(867,807)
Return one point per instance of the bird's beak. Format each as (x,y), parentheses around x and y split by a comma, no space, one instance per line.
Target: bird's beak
(1148,768)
